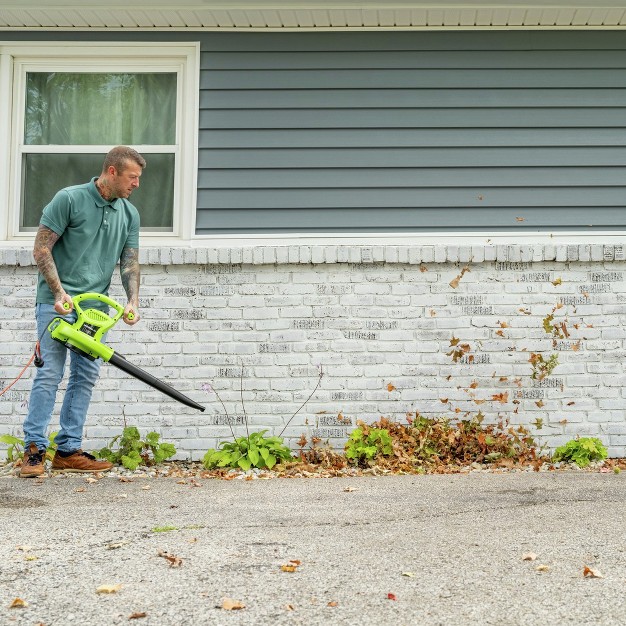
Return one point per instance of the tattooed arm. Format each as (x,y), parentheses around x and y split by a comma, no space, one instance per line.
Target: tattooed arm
(129,272)
(42,251)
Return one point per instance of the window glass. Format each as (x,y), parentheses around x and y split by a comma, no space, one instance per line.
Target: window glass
(66,109)
(45,174)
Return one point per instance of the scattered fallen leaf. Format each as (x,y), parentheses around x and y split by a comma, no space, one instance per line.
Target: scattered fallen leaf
(289,607)
(123,495)
(390,388)
(423,268)
(503,397)
(91,480)
(571,403)
(350,489)
(125,479)
(543,568)
(408,574)
(540,403)
(289,568)
(520,219)
(24,548)
(18,603)
(172,559)
(454,283)
(591,573)
(146,487)
(137,615)
(108,588)
(443,400)
(391,596)
(116,545)
(80,489)
(333,603)
(556,281)
(31,557)
(529,556)
(228,604)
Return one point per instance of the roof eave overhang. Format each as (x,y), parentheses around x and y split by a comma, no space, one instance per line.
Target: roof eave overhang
(300,15)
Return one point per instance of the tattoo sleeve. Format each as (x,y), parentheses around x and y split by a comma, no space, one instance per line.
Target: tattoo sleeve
(42,251)
(129,272)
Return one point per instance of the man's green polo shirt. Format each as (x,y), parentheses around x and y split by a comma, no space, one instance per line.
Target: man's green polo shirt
(93,232)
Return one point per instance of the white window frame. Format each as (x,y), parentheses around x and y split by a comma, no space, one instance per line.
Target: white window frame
(16,59)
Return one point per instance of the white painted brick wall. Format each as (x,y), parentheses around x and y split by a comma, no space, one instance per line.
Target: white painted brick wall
(378,319)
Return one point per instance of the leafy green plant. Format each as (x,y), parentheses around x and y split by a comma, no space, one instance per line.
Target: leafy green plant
(254,450)
(581,451)
(365,444)
(132,451)
(15,447)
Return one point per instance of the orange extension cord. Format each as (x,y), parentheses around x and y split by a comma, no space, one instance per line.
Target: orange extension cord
(32,358)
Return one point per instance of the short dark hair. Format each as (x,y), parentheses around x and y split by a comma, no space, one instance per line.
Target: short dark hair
(118,157)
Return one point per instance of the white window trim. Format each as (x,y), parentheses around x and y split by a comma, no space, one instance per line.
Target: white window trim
(183,58)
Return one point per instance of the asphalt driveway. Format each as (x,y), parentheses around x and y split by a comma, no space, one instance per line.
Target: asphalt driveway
(373,550)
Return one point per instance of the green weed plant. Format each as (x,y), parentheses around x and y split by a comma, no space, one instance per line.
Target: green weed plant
(581,451)
(365,444)
(132,451)
(15,447)
(255,450)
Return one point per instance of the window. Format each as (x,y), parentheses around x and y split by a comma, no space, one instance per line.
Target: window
(71,104)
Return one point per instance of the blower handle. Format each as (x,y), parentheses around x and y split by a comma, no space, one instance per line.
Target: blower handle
(101,298)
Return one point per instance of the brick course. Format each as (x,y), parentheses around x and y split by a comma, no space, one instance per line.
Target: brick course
(379,320)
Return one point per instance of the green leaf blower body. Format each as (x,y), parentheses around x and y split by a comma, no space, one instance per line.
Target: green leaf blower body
(85,336)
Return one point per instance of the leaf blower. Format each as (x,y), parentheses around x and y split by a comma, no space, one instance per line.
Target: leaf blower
(85,336)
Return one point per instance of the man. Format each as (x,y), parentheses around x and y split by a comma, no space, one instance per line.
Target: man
(83,233)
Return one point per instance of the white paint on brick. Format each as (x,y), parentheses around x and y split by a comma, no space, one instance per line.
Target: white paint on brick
(372,318)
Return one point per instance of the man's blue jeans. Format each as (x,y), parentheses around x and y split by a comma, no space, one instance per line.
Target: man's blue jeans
(83,376)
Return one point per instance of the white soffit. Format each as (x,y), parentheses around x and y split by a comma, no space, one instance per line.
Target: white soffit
(296,15)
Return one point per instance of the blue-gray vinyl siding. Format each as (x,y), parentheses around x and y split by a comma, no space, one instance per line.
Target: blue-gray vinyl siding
(408,131)
(414,132)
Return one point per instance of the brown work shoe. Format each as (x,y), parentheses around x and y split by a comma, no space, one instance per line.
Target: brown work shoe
(32,463)
(79,461)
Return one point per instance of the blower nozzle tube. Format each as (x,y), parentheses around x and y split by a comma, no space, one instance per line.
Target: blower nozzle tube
(119,361)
